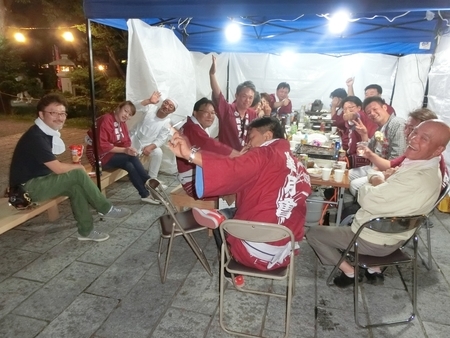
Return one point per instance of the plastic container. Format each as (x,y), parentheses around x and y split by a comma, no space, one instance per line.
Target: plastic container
(314,209)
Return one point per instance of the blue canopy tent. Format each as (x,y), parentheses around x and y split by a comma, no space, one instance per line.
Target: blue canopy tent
(384,26)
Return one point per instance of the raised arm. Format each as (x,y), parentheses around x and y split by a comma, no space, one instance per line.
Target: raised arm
(349,84)
(213,81)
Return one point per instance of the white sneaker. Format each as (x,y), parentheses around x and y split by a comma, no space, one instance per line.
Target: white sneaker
(95,236)
(150,200)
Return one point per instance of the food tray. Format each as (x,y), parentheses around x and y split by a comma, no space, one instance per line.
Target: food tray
(315,151)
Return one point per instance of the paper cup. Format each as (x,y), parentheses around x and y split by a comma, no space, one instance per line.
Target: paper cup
(326,172)
(342,165)
(338,175)
(360,147)
(333,130)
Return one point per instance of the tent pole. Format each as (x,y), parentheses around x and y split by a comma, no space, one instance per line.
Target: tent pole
(93,112)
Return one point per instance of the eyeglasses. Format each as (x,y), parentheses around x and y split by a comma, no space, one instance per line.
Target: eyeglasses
(57,114)
(208,112)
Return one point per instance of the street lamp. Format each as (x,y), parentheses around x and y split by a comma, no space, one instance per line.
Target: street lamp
(19,37)
(68,36)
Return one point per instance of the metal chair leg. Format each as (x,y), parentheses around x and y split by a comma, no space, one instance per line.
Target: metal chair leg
(428,262)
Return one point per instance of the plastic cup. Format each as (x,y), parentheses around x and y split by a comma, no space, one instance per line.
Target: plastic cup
(338,175)
(342,165)
(333,130)
(326,172)
(360,147)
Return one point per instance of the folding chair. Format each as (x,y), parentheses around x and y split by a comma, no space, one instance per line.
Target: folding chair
(255,232)
(428,225)
(388,225)
(174,224)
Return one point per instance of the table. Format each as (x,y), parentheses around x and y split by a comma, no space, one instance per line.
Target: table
(345,184)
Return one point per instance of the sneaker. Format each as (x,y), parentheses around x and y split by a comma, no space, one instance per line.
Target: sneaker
(117,212)
(95,236)
(238,281)
(208,218)
(150,200)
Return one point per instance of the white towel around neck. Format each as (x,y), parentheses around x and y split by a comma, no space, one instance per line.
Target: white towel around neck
(58,144)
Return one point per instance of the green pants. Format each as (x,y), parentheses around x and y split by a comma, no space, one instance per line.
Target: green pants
(81,191)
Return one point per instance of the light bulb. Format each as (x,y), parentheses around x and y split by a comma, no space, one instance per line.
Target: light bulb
(233,32)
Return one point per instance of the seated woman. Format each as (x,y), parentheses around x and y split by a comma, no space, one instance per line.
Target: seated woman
(352,107)
(261,104)
(114,148)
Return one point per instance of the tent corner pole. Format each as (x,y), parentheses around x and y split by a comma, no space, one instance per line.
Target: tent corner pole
(93,111)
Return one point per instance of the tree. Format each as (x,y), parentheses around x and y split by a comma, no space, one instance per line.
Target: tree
(11,68)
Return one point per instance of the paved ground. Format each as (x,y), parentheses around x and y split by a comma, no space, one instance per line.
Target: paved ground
(52,285)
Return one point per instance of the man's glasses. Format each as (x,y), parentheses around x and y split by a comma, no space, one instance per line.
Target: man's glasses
(56,114)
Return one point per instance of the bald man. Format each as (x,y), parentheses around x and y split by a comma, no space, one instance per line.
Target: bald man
(411,190)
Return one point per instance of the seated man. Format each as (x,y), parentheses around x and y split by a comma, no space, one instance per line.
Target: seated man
(388,141)
(411,190)
(369,91)
(414,119)
(283,106)
(196,130)
(273,191)
(233,117)
(153,131)
(34,165)
(337,96)
(352,107)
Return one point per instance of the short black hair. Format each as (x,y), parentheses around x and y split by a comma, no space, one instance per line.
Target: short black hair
(355,99)
(375,86)
(201,102)
(284,85)
(340,92)
(48,99)
(371,99)
(266,123)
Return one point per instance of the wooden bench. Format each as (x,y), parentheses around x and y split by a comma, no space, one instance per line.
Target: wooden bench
(11,217)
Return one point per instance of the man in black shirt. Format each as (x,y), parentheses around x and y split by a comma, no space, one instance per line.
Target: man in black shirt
(34,165)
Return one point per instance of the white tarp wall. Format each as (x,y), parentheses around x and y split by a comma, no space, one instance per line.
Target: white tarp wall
(439,86)
(158,61)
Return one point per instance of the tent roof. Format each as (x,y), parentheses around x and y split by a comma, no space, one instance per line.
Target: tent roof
(382,26)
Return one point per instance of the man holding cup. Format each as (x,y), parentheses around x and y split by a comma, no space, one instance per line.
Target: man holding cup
(35,167)
(388,141)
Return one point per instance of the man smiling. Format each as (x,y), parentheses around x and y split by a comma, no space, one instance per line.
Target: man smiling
(34,165)
(411,190)
(197,132)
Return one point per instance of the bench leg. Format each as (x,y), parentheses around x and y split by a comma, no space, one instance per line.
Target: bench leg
(53,213)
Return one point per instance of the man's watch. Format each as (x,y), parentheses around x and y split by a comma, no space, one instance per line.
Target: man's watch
(194,149)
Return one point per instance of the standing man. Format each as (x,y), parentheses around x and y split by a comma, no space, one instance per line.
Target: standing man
(388,141)
(235,117)
(196,129)
(34,165)
(283,106)
(153,131)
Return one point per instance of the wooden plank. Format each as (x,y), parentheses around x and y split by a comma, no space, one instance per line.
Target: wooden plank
(11,217)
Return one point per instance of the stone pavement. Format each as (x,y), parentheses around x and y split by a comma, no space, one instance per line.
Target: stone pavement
(52,285)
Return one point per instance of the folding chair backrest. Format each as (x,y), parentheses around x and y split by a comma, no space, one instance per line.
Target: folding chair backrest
(444,192)
(158,193)
(256,231)
(395,224)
